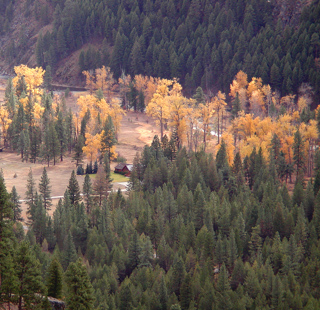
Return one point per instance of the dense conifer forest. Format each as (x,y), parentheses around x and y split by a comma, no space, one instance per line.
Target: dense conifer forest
(193,231)
(221,211)
(203,43)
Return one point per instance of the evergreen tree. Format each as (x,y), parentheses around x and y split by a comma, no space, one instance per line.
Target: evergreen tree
(61,134)
(30,196)
(51,146)
(74,190)
(78,152)
(108,138)
(87,193)
(6,215)
(69,253)
(236,106)
(28,271)
(45,190)
(79,289)
(298,154)
(186,293)
(16,205)
(163,294)
(54,279)
(134,251)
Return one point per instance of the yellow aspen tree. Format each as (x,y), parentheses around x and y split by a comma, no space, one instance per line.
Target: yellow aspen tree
(116,113)
(177,117)
(33,78)
(141,83)
(240,82)
(206,112)
(309,134)
(159,106)
(247,125)
(192,124)
(257,103)
(302,103)
(92,146)
(90,83)
(5,122)
(255,84)
(267,92)
(288,103)
(228,140)
(219,105)
(151,88)
(85,103)
(38,111)
(105,81)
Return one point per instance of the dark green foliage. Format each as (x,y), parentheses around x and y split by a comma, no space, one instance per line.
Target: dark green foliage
(28,272)
(16,205)
(79,288)
(54,279)
(108,138)
(199,42)
(74,190)
(134,251)
(45,190)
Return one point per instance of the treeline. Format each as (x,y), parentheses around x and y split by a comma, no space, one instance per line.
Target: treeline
(203,43)
(194,233)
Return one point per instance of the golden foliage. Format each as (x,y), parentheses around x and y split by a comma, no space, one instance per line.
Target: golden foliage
(32,77)
(91,149)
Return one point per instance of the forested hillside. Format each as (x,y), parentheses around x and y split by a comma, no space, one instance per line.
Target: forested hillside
(237,229)
(203,43)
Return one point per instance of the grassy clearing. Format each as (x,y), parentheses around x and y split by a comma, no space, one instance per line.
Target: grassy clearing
(115,176)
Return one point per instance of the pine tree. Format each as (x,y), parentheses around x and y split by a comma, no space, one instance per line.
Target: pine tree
(163,294)
(9,280)
(298,154)
(146,255)
(134,251)
(199,207)
(126,298)
(28,271)
(223,287)
(45,190)
(40,221)
(178,274)
(78,152)
(61,134)
(87,193)
(6,215)
(108,138)
(74,190)
(69,253)
(30,196)
(54,279)
(186,293)
(101,186)
(50,148)
(79,289)
(16,205)
(236,107)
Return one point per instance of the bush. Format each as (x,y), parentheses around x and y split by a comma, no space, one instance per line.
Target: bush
(80,170)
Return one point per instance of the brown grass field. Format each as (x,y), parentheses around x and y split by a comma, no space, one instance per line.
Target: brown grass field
(137,130)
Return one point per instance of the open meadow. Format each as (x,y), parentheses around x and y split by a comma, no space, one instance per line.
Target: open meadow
(136,130)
